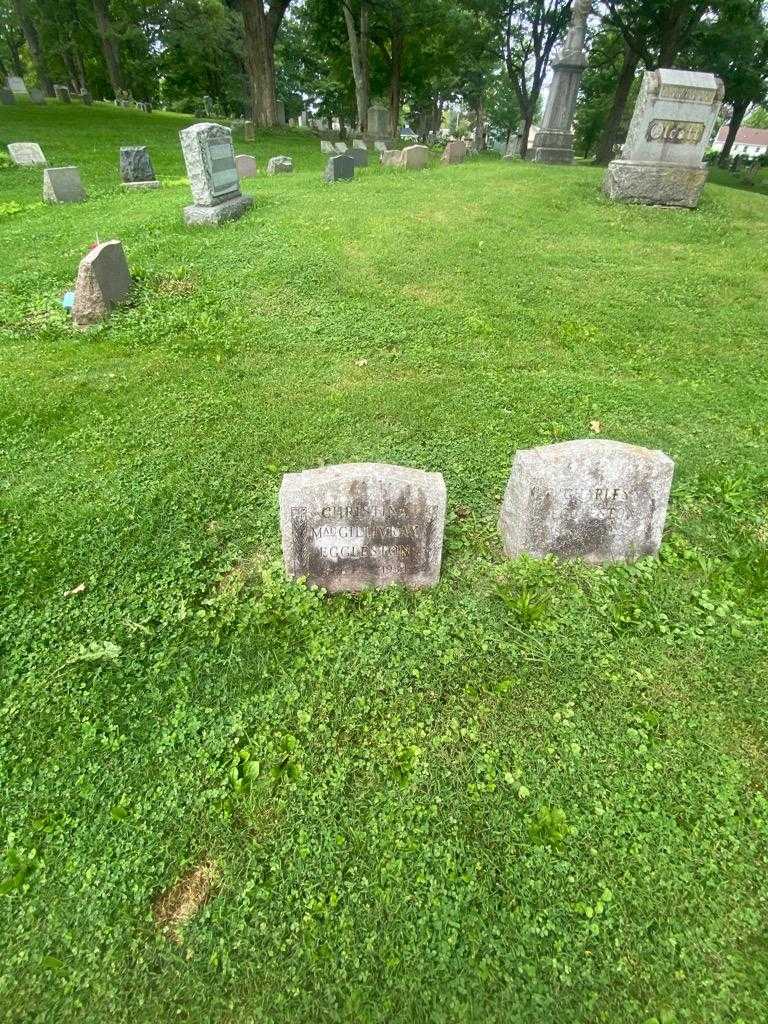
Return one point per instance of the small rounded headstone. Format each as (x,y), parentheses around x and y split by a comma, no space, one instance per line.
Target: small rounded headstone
(596,500)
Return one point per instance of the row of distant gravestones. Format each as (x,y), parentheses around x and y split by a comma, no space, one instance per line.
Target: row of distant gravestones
(360,525)
(16,86)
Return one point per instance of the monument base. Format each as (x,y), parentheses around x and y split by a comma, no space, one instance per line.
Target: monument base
(656,184)
(553,148)
(141,184)
(230,210)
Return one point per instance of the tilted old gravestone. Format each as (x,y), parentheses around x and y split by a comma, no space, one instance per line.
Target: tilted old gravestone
(27,154)
(414,158)
(62,93)
(17,85)
(136,170)
(340,168)
(391,157)
(62,185)
(280,165)
(361,525)
(661,162)
(359,157)
(36,96)
(597,500)
(103,280)
(454,152)
(210,162)
(246,166)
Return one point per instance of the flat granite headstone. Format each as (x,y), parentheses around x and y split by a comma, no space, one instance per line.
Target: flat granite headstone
(391,158)
(62,185)
(454,152)
(136,170)
(27,154)
(17,85)
(280,165)
(358,156)
(62,93)
(339,147)
(661,162)
(596,500)
(212,173)
(246,166)
(7,97)
(362,525)
(36,96)
(340,168)
(414,158)
(103,280)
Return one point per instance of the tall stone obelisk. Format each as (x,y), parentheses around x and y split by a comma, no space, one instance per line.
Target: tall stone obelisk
(554,142)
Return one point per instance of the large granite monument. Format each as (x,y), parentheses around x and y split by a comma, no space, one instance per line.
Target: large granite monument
(596,500)
(362,525)
(554,142)
(212,174)
(661,162)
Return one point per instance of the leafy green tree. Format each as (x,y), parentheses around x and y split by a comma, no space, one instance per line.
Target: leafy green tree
(757,119)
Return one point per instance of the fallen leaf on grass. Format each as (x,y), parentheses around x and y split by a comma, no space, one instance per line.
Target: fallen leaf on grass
(79,589)
(595,426)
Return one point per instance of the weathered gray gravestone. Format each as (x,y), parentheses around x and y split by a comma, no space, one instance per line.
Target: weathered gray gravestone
(86,97)
(362,525)
(661,162)
(210,162)
(454,152)
(248,131)
(103,280)
(27,154)
(359,144)
(246,166)
(280,110)
(136,170)
(62,93)
(327,147)
(17,85)
(340,168)
(62,185)
(554,142)
(596,500)
(391,157)
(358,156)
(414,158)
(378,121)
(7,97)
(280,165)
(36,96)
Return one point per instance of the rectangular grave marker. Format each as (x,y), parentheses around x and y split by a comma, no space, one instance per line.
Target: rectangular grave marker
(361,525)
(212,173)
(596,500)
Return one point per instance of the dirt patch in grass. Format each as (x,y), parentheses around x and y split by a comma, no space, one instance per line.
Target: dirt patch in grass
(174,907)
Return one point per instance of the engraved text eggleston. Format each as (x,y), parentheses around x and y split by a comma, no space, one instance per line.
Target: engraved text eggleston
(360,525)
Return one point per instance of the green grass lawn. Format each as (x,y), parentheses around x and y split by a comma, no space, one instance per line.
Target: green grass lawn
(535,793)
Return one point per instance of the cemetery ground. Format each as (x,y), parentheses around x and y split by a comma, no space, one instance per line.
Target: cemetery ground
(536,792)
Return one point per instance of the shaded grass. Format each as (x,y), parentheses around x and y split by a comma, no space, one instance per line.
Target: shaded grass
(374,775)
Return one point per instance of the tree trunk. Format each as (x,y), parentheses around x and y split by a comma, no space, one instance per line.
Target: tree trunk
(739,110)
(479,133)
(524,133)
(616,113)
(109,46)
(34,45)
(261,29)
(395,80)
(358,49)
